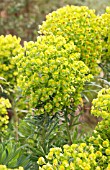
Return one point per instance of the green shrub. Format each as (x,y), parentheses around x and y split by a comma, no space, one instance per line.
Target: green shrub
(11,156)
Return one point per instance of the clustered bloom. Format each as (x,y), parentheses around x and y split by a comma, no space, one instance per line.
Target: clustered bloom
(106,33)
(81,26)
(51,74)
(101,107)
(3,167)
(9,48)
(4,119)
(78,156)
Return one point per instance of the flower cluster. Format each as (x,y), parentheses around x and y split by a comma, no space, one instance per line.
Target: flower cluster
(3,167)
(94,155)
(4,119)
(81,26)
(50,73)
(9,48)
(106,34)
(101,107)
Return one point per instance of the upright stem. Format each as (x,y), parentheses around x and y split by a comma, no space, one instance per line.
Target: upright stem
(67,127)
(44,131)
(15,120)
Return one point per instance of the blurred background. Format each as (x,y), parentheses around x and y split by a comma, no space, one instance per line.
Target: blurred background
(22,17)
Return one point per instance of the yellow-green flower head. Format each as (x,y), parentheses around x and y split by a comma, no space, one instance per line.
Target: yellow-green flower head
(41,161)
(105,143)
(88,158)
(106,33)
(51,74)
(3,167)
(108,167)
(9,48)
(107,151)
(81,26)
(101,105)
(4,119)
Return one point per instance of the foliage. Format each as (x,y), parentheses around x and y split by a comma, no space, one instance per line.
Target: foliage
(9,48)
(11,155)
(39,134)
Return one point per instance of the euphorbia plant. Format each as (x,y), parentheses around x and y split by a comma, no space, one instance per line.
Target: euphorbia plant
(51,76)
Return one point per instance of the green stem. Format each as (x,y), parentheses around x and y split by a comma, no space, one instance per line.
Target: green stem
(15,120)
(44,132)
(67,127)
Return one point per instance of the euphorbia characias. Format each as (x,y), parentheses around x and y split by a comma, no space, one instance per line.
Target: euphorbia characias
(50,74)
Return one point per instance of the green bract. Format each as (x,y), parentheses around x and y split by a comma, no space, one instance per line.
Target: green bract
(9,48)
(4,119)
(50,74)
(81,26)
